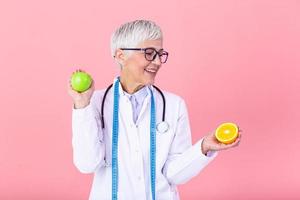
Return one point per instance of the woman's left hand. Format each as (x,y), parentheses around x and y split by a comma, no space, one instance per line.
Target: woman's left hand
(210,143)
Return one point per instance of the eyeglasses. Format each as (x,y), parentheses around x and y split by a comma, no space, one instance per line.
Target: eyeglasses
(151,53)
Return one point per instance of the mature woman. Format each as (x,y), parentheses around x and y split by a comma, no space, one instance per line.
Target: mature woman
(135,138)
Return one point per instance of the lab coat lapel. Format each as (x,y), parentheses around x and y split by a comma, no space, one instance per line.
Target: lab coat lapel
(146,104)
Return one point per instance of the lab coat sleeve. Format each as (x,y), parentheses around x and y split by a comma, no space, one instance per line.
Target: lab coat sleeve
(87,138)
(184,159)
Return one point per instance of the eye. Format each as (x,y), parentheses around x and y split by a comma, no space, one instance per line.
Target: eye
(163,53)
(149,51)
(149,54)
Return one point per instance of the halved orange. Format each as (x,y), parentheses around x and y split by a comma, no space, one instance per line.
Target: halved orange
(227,133)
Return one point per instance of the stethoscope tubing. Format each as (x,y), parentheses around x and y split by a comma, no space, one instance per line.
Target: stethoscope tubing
(104,97)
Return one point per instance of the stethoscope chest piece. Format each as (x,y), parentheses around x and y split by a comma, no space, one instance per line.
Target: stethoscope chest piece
(162,127)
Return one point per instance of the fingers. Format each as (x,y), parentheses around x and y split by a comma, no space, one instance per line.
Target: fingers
(222,146)
(69,85)
(240,136)
(227,146)
(212,133)
(71,91)
(236,142)
(92,84)
(79,70)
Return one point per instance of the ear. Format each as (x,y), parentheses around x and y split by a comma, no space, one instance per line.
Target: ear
(120,57)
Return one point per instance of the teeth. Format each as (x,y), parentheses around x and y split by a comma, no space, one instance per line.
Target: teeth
(151,70)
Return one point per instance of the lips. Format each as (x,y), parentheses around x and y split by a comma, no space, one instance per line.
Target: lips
(151,70)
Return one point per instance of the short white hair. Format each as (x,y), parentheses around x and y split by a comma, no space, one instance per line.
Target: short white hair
(130,34)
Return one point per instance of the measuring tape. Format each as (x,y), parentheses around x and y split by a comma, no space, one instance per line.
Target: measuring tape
(115,134)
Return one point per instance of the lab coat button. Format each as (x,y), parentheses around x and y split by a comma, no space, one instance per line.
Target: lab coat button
(140,178)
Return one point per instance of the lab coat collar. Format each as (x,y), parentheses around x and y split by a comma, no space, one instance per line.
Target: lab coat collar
(122,93)
(146,100)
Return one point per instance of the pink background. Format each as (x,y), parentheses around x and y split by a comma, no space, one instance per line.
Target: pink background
(230,60)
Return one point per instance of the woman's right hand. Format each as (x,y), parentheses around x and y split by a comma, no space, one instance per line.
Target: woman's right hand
(80,99)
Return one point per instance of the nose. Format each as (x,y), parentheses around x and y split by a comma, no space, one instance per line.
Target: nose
(157,60)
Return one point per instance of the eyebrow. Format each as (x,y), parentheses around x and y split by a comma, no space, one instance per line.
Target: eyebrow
(154,48)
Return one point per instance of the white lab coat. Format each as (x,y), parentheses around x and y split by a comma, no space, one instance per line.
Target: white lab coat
(177,160)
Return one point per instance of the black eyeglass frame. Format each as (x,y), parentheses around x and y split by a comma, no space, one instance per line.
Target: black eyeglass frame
(156,53)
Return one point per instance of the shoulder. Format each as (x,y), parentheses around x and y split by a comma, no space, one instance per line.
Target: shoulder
(172,97)
(174,102)
(175,107)
(98,94)
(97,98)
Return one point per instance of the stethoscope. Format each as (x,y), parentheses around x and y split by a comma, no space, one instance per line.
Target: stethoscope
(161,127)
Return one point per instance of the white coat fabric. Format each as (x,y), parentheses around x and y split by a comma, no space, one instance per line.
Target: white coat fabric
(177,160)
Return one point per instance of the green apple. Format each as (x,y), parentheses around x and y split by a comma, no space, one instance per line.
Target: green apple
(81,81)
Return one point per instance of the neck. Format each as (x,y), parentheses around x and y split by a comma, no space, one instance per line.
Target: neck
(129,86)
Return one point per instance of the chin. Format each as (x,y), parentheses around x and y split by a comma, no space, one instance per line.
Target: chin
(150,81)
